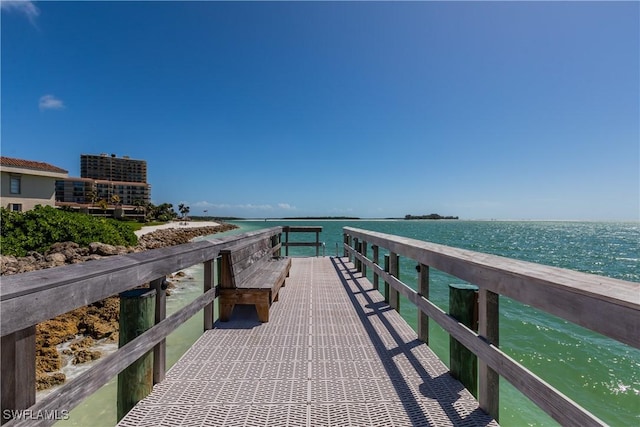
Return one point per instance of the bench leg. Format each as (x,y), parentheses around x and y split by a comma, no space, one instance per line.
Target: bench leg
(263,311)
(226,309)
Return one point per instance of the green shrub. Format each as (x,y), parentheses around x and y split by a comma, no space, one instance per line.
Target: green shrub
(37,229)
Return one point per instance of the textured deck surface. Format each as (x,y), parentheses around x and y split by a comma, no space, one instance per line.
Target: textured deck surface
(332,354)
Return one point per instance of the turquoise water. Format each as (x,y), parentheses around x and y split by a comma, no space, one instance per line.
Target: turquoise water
(600,374)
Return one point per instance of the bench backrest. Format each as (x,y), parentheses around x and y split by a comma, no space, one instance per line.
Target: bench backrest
(242,260)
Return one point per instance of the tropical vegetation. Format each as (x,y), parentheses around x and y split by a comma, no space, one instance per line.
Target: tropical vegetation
(163,212)
(39,228)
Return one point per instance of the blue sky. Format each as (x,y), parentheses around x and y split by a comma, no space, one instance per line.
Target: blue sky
(506,110)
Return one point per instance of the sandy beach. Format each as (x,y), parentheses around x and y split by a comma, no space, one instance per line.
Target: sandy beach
(175,224)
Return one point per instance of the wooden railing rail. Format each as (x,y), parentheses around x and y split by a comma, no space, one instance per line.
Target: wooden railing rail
(584,299)
(30,298)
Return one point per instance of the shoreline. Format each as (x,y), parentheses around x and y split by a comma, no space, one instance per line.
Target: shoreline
(175,224)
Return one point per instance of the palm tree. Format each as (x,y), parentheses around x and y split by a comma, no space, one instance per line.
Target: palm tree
(92,196)
(138,207)
(184,210)
(103,205)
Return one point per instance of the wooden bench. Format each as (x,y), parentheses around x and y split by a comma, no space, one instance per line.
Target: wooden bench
(250,274)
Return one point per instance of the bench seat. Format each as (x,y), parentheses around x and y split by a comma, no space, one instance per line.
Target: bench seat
(251,275)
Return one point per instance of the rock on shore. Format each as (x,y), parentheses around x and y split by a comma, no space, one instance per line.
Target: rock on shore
(98,320)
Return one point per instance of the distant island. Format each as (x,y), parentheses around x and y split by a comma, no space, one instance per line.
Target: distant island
(430,216)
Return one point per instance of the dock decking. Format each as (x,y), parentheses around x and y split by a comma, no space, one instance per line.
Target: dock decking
(333,353)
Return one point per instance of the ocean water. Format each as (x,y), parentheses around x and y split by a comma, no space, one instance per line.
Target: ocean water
(599,373)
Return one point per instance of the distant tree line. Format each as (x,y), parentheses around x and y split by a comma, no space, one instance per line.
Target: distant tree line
(430,216)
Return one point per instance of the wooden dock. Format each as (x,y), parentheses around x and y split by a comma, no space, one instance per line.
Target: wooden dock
(335,350)
(333,353)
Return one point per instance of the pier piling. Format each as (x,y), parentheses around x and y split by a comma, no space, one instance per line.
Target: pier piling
(463,301)
(137,314)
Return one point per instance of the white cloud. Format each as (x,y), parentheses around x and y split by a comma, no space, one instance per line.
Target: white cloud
(50,102)
(286,206)
(27,8)
(206,205)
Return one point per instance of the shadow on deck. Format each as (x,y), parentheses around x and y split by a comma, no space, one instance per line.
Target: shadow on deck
(442,389)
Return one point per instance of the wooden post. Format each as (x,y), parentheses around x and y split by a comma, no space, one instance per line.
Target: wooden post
(286,239)
(345,238)
(488,327)
(160,350)
(363,266)
(274,243)
(317,243)
(350,244)
(225,309)
(208,285)
(394,269)
(218,276)
(137,314)
(18,371)
(386,285)
(376,259)
(356,246)
(278,240)
(423,290)
(463,363)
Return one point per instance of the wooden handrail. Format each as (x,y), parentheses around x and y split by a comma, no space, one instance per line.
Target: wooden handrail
(27,299)
(581,298)
(75,391)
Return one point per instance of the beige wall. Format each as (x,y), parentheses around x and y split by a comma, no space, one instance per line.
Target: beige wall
(34,190)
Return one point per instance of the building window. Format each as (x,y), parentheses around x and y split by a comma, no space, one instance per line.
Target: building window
(15,185)
(16,207)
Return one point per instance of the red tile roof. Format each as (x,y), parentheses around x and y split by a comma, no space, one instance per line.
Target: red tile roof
(30,164)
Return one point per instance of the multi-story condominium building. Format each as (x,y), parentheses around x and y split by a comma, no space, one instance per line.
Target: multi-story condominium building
(112,168)
(120,182)
(27,183)
(75,190)
(129,193)
(89,191)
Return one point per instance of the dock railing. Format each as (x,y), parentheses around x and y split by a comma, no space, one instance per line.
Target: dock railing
(30,298)
(302,229)
(608,306)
